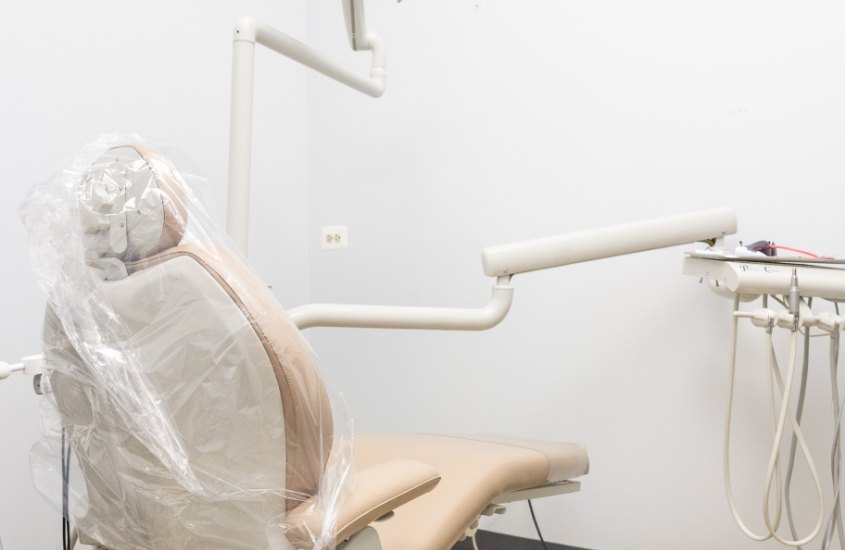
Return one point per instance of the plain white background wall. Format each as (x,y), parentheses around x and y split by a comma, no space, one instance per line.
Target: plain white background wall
(512,120)
(502,121)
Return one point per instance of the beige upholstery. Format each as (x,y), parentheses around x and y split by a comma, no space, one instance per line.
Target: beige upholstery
(473,472)
(136,497)
(392,471)
(309,436)
(566,460)
(205,295)
(379,489)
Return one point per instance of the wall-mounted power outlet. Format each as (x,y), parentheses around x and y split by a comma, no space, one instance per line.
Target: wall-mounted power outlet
(334,237)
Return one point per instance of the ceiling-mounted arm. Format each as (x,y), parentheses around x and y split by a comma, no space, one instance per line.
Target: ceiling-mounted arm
(356,26)
(249,32)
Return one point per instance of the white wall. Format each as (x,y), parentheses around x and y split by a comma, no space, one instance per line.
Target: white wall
(160,69)
(502,121)
(512,120)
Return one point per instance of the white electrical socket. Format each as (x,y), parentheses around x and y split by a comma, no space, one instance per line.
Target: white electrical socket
(334,237)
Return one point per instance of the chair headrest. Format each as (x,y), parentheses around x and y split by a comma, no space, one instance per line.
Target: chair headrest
(132,204)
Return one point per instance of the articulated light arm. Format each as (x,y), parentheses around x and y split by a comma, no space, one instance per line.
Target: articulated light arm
(607,242)
(507,260)
(249,32)
(407,317)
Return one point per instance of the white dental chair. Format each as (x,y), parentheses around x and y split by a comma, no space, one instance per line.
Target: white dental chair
(195,408)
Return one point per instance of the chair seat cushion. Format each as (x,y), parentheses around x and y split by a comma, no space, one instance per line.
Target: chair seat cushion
(473,470)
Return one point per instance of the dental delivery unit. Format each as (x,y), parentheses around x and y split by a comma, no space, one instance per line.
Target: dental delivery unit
(192,408)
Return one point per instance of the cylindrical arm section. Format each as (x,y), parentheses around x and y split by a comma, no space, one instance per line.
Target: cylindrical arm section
(249,31)
(280,42)
(583,246)
(240,143)
(431,318)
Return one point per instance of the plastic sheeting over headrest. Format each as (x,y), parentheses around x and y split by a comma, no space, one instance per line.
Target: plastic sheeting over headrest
(131,204)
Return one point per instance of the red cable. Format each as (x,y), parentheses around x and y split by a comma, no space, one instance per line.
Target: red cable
(804,252)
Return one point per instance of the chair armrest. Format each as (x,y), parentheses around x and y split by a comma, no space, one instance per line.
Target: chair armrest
(378,489)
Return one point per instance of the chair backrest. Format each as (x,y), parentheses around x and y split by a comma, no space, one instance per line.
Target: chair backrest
(194,406)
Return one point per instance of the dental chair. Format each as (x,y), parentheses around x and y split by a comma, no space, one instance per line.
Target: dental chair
(195,408)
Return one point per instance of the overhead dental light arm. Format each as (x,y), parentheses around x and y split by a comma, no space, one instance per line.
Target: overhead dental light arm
(356,27)
(249,32)
(407,317)
(507,260)
(606,242)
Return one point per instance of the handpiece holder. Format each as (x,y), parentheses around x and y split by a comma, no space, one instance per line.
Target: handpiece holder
(505,261)
(750,277)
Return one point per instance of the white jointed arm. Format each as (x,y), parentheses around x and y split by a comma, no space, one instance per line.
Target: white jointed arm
(29,365)
(433,318)
(507,260)
(249,32)
(617,240)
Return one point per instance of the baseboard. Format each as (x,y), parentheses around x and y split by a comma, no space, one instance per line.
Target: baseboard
(488,540)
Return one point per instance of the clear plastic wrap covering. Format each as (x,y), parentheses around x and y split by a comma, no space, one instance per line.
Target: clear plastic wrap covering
(191,403)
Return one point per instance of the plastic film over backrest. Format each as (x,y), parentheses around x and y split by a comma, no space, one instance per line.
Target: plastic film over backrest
(192,404)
